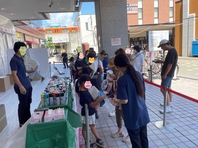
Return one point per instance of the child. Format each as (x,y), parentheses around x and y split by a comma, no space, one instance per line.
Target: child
(72,68)
(86,98)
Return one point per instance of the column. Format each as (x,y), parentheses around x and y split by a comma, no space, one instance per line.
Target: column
(112,27)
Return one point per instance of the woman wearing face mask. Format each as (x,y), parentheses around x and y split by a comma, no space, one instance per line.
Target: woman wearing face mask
(137,59)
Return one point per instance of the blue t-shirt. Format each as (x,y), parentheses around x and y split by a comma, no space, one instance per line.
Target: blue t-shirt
(135,112)
(86,98)
(105,62)
(17,64)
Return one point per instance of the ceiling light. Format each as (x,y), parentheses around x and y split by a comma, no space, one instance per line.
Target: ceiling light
(12,14)
(2,8)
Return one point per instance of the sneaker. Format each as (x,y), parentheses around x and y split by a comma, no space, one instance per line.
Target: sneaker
(112,114)
(126,139)
(171,104)
(42,79)
(168,110)
(118,134)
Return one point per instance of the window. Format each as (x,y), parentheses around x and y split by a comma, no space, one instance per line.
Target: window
(155,3)
(139,3)
(64,30)
(155,13)
(49,31)
(171,12)
(73,30)
(139,13)
(87,26)
(171,3)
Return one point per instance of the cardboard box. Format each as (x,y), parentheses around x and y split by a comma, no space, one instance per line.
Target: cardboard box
(49,115)
(3,120)
(59,113)
(36,117)
(4,83)
(11,79)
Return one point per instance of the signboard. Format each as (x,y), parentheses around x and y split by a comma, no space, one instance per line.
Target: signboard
(154,38)
(115,41)
(132,8)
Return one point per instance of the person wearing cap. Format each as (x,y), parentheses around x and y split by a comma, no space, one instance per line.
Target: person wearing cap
(167,73)
(105,62)
(137,59)
(22,86)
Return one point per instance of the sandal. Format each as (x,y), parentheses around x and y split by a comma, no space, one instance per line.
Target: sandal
(118,134)
(126,139)
(99,142)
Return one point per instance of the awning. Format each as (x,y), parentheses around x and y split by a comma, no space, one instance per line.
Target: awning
(140,30)
(31,42)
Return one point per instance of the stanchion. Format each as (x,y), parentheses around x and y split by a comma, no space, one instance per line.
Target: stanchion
(50,72)
(87,126)
(162,124)
(150,72)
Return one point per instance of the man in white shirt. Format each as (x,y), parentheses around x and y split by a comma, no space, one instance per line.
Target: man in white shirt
(32,67)
(137,59)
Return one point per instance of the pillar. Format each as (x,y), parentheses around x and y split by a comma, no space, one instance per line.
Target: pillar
(112,27)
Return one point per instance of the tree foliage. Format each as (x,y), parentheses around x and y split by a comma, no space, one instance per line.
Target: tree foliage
(49,43)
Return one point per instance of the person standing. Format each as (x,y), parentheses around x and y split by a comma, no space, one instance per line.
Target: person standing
(105,62)
(167,72)
(137,59)
(22,84)
(65,59)
(32,67)
(130,94)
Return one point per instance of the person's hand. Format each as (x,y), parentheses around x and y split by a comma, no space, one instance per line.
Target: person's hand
(115,100)
(164,76)
(36,68)
(103,96)
(22,90)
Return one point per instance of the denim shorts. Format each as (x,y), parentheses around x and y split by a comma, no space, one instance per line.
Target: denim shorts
(167,82)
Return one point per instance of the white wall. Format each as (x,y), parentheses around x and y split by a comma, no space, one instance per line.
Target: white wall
(89,35)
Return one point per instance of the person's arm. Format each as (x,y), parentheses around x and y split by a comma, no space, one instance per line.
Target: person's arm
(168,68)
(31,71)
(120,101)
(18,83)
(97,101)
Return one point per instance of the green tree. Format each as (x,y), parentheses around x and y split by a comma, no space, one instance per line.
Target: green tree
(50,45)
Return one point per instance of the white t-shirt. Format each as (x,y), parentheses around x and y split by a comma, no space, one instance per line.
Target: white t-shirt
(138,60)
(30,63)
(95,64)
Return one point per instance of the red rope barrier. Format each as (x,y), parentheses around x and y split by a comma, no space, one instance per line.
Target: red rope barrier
(174,92)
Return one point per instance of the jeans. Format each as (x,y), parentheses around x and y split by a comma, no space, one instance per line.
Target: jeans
(139,137)
(24,104)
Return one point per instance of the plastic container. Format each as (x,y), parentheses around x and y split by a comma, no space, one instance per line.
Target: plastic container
(62,98)
(51,99)
(46,99)
(56,99)
(42,100)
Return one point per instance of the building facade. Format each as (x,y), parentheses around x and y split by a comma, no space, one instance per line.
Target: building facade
(64,38)
(87,30)
(147,15)
(186,30)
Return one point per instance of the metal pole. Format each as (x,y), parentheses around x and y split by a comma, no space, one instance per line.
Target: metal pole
(151,73)
(165,104)
(50,69)
(87,126)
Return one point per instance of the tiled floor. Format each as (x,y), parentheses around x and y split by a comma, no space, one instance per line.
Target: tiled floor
(181,130)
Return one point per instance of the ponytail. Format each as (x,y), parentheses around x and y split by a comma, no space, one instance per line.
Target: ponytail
(136,79)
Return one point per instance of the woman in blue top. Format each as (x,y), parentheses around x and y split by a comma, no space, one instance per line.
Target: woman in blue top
(130,93)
